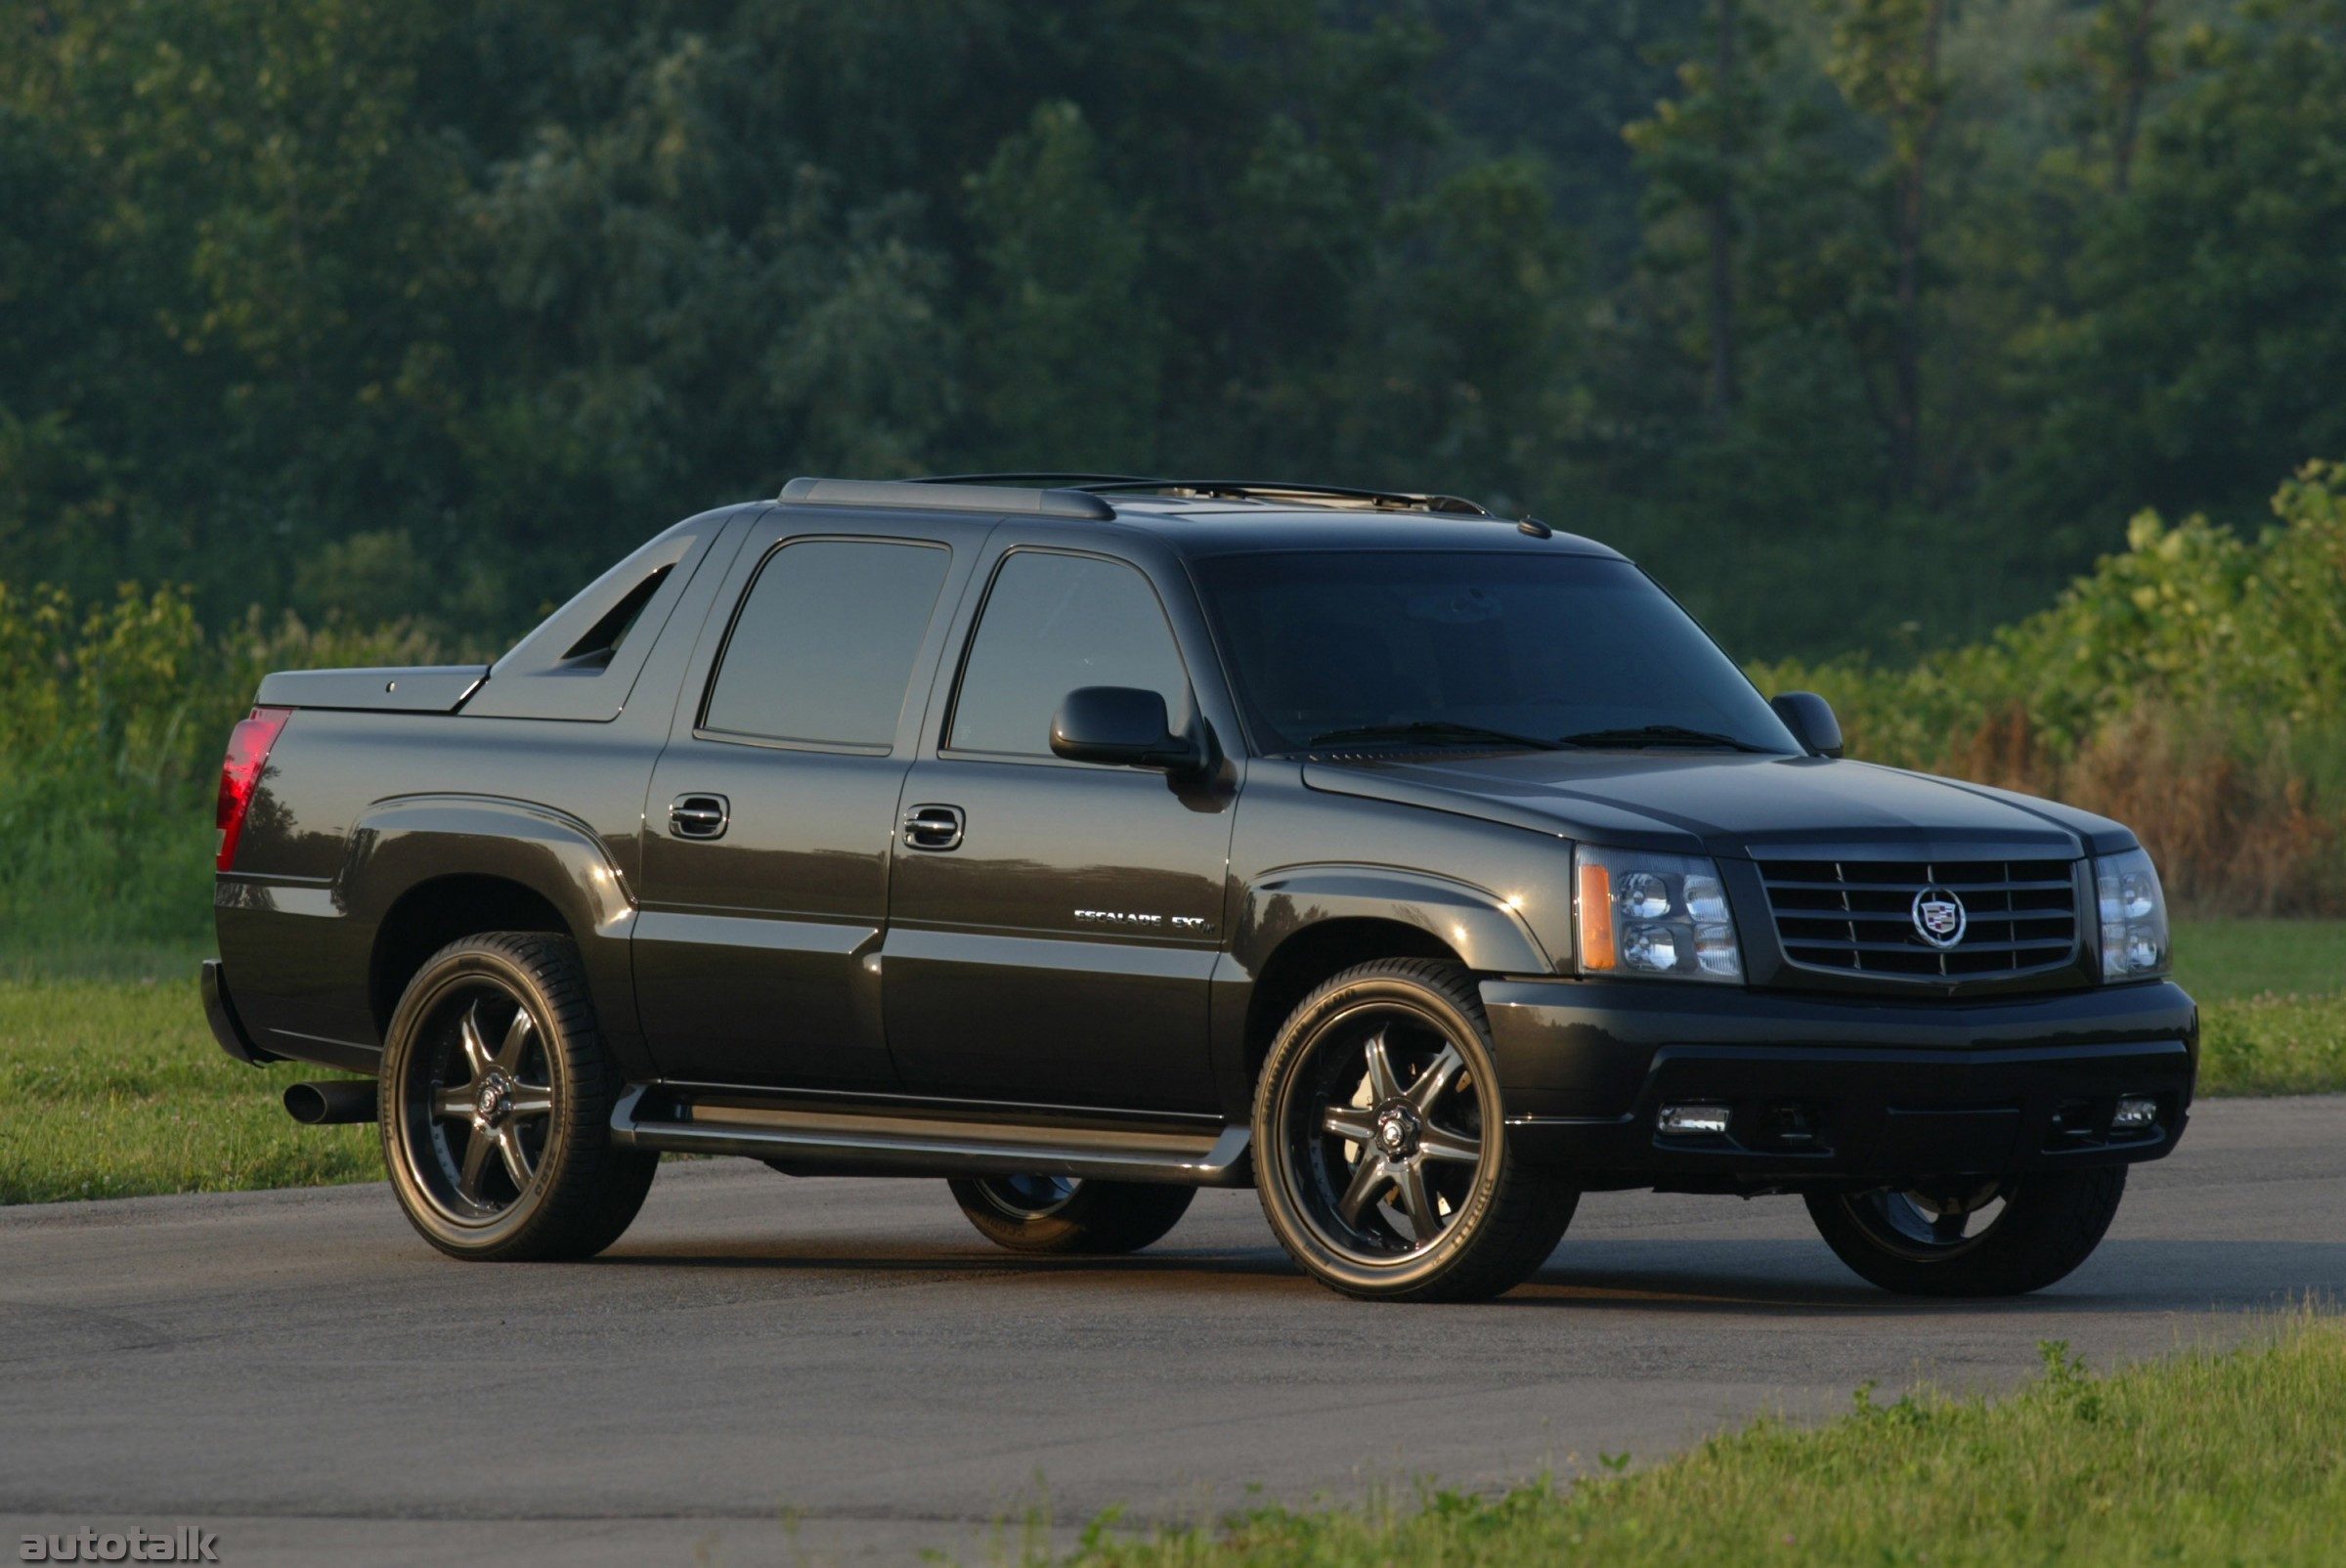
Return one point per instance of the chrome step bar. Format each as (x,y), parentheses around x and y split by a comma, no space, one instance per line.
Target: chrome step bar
(825,1141)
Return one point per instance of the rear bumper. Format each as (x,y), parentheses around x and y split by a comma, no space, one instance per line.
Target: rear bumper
(220,1011)
(1823,1092)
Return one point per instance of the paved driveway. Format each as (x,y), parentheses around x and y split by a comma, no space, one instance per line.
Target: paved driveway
(769,1370)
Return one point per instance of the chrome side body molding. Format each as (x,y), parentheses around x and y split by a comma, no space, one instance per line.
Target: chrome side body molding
(817,1142)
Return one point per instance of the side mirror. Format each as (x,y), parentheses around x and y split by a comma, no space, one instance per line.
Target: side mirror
(1810,720)
(1123,726)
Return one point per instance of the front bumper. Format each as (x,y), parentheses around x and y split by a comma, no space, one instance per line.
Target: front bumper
(1835,1091)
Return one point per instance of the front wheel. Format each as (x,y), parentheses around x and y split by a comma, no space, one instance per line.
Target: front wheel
(1380,1145)
(1992,1237)
(1064,1214)
(495,1105)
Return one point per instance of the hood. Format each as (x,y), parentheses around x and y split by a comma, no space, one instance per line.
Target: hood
(1734,805)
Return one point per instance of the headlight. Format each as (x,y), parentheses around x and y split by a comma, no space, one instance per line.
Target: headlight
(2134,917)
(1659,915)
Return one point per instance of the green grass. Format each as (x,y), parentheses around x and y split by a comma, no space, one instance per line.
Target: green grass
(2274,1045)
(110,1085)
(113,1087)
(2232,960)
(2199,1457)
(2271,996)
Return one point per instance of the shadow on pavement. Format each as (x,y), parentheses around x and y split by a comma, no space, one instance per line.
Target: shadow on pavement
(2122,1276)
(1765,1277)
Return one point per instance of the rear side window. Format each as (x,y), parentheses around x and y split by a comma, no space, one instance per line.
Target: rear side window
(1055,623)
(822,652)
(596,649)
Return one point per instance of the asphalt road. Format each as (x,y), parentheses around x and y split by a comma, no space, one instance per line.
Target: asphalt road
(778,1370)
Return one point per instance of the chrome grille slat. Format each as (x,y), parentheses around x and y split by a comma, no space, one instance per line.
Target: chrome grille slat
(2061,887)
(1840,917)
(1905,916)
(2060,945)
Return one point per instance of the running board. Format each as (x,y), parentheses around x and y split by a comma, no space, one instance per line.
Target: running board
(821,1141)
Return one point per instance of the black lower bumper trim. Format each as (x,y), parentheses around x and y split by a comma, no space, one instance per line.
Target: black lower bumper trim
(220,1011)
(1816,1115)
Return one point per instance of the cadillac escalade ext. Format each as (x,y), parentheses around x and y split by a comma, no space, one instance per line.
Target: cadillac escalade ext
(1087,840)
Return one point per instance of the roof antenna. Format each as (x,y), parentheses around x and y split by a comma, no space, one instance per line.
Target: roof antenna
(1535,527)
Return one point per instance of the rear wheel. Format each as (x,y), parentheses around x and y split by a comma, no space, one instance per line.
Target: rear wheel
(495,1105)
(1380,1147)
(1065,1214)
(1996,1237)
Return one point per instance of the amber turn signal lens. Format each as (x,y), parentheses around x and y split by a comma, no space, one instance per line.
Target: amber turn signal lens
(1596,918)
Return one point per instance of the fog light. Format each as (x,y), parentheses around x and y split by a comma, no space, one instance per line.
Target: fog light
(1687,1121)
(2134,1114)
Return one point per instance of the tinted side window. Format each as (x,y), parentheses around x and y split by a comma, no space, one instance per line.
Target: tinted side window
(823,649)
(1054,623)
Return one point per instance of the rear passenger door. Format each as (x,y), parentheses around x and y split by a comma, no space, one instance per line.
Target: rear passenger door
(771,819)
(1054,946)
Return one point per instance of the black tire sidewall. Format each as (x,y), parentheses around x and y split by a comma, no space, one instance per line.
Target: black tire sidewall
(1101,1218)
(1421,1275)
(535,969)
(2052,1223)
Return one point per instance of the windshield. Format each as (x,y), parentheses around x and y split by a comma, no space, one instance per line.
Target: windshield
(1473,649)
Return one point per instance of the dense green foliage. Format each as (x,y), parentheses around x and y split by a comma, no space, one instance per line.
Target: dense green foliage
(2193,685)
(1866,322)
(2203,1458)
(112,725)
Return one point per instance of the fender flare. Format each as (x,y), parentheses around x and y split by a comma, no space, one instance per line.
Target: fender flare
(400,844)
(408,841)
(1473,922)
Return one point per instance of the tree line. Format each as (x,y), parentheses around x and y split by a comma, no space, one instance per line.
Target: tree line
(1864,323)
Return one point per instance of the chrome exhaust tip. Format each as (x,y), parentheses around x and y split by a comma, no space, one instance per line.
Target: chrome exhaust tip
(326,1105)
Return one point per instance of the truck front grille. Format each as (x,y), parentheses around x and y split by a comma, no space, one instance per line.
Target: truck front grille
(1859,916)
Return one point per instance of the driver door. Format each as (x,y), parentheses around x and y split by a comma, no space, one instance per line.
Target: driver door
(1054,946)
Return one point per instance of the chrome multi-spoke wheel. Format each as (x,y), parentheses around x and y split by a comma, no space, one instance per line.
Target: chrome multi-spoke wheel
(495,1101)
(1971,1235)
(1027,1197)
(1031,1211)
(1391,1133)
(1931,1222)
(490,1108)
(1379,1142)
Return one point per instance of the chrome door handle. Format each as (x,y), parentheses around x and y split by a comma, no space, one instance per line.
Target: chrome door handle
(700,816)
(935,827)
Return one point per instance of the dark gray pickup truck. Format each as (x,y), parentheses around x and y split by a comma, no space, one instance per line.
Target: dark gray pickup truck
(1089,841)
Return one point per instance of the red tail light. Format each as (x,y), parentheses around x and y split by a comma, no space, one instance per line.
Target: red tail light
(240,774)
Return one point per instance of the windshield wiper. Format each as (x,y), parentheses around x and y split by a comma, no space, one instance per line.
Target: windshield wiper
(1435,731)
(1659,735)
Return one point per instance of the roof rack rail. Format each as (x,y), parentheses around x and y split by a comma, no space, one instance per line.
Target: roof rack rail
(1234,489)
(1069,481)
(1057,502)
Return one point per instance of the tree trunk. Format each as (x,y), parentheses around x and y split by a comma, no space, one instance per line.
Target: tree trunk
(1906,369)
(2132,91)
(1723,234)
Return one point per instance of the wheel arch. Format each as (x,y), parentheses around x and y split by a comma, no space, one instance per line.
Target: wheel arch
(427,871)
(1299,926)
(430,915)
